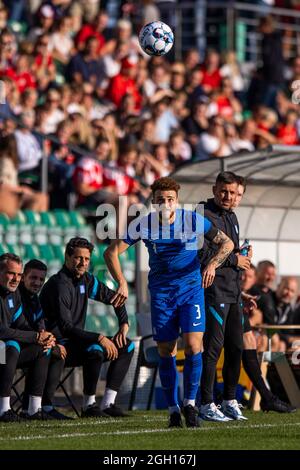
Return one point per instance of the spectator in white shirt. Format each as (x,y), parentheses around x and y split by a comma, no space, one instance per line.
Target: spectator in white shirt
(213,143)
(29,150)
(54,114)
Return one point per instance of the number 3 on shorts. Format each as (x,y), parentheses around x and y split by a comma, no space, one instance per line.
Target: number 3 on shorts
(198,312)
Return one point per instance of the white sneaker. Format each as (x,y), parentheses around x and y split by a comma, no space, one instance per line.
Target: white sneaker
(212,412)
(232,409)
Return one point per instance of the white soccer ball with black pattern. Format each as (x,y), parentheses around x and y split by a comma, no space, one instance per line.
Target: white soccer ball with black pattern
(156,38)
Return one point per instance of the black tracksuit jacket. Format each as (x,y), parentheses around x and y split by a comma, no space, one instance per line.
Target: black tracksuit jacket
(64,300)
(226,287)
(13,324)
(32,309)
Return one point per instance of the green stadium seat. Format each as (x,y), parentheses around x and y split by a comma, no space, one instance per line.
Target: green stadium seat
(16,249)
(31,252)
(59,253)
(86,232)
(19,219)
(112,324)
(47,218)
(100,272)
(77,219)
(11,235)
(49,231)
(93,323)
(55,239)
(40,234)
(4,221)
(62,218)
(25,234)
(46,253)
(3,248)
(32,217)
(68,233)
(132,324)
(131,253)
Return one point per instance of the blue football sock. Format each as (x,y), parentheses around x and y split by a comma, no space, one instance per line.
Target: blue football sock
(169,379)
(191,375)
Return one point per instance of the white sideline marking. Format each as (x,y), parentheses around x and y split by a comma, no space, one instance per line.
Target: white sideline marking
(79,422)
(145,431)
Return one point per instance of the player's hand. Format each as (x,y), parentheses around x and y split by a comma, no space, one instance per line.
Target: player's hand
(45,338)
(208,276)
(109,346)
(121,295)
(62,350)
(120,337)
(250,252)
(243,262)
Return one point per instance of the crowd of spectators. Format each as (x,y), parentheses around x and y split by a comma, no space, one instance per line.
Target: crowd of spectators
(277,304)
(71,76)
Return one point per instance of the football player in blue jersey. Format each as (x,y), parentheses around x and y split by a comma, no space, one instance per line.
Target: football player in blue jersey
(172,237)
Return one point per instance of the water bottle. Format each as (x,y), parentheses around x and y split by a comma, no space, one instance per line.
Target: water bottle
(245,248)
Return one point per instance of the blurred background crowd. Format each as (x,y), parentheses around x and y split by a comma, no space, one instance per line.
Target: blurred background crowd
(73,71)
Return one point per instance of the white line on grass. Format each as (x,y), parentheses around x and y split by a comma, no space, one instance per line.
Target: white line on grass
(145,431)
(79,422)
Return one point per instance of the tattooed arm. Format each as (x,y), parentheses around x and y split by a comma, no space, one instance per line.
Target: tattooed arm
(225,248)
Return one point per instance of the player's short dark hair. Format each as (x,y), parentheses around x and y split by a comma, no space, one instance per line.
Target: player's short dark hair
(165,184)
(35,264)
(78,242)
(227,177)
(9,257)
(242,181)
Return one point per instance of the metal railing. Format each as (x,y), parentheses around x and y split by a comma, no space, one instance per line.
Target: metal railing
(230,25)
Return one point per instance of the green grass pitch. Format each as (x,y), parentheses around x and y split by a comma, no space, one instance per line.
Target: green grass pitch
(148,430)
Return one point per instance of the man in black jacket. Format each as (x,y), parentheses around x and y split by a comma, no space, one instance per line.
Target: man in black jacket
(24,346)
(223,306)
(269,401)
(273,63)
(64,299)
(33,280)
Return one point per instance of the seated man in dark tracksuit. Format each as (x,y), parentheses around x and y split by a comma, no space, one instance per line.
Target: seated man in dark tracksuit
(64,299)
(33,279)
(23,346)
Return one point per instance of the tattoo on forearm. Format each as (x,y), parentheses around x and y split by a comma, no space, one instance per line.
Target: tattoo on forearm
(221,237)
(224,250)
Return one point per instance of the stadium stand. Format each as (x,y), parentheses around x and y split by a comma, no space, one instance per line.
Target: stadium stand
(197,104)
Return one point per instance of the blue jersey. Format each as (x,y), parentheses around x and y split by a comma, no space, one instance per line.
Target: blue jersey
(173,248)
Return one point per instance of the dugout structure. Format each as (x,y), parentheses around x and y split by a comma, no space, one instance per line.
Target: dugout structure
(269,214)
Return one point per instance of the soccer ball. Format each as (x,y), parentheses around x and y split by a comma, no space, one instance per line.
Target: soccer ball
(156,38)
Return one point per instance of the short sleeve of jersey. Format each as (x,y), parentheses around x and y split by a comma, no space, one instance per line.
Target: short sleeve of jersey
(204,225)
(132,236)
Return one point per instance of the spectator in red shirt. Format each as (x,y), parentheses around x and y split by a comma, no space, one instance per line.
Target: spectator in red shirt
(43,67)
(93,30)
(287,132)
(20,75)
(229,107)
(124,83)
(211,79)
